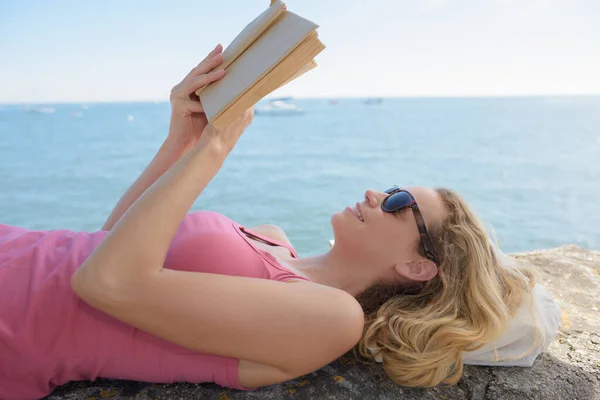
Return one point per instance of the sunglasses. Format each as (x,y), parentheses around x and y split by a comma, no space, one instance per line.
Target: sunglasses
(398,200)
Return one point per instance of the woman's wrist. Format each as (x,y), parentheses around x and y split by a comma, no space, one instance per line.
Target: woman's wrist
(177,131)
(212,146)
(173,146)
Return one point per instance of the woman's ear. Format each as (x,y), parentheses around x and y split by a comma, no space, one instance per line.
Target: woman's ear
(420,271)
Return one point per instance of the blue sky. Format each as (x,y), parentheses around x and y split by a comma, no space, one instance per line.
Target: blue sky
(55,51)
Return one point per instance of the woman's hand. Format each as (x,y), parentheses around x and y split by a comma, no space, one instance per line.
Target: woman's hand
(224,140)
(187,115)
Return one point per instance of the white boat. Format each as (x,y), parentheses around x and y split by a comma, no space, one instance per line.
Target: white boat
(41,110)
(278,107)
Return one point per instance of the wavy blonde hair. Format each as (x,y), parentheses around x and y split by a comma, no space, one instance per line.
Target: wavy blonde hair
(422,331)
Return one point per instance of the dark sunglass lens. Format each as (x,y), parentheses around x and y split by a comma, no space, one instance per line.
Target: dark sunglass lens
(397,201)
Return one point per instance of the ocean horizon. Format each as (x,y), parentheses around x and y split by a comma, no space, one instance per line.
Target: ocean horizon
(528,165)
(547,97)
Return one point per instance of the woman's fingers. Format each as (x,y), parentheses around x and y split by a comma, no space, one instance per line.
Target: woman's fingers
(217,50)
(203,74)
(196,82)
(206,65)
(212,61)
(188,107)
(185,90)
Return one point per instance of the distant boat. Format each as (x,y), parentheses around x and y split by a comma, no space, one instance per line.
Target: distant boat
(130,118)
(285,98)
(278,106)
(41,110)
(333,101)
(373,100)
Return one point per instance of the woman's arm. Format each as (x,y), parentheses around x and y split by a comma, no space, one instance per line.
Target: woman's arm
(186,125)
(169,152)
(283,326)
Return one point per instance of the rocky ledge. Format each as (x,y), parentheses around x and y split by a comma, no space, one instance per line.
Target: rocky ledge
(570,370)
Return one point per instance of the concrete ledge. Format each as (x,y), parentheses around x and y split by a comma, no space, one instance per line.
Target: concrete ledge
(570,370)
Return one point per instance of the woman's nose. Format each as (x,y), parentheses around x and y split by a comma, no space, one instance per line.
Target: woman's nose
(373,198)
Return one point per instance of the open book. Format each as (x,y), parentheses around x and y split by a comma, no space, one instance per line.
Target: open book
(274,49)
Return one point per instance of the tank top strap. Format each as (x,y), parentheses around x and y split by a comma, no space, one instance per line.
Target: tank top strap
(269,240)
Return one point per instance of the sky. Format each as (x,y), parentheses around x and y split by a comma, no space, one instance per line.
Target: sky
(130,50)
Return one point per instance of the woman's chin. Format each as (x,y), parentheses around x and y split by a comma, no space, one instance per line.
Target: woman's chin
(340,217)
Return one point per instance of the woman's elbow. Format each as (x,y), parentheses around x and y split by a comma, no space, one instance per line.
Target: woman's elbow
(95,288)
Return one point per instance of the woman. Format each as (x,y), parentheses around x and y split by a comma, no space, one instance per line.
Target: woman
(164,295)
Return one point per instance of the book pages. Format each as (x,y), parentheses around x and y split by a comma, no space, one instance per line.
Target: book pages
(249,34)
(254,63)
(283,72)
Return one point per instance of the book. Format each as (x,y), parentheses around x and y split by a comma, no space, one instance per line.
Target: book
(275,48)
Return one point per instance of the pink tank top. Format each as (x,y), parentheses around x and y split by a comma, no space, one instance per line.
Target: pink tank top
(49,337)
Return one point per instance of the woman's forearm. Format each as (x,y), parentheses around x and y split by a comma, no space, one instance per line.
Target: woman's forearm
(138,243)
(187,123)
(167,155)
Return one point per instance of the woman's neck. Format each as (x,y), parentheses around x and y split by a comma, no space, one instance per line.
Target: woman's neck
(335,270)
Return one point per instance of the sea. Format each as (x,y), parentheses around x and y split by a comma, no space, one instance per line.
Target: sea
(529,166)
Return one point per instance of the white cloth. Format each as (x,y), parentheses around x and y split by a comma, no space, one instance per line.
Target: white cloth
(514,346)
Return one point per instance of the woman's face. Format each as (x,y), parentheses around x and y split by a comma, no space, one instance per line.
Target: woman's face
(368,232)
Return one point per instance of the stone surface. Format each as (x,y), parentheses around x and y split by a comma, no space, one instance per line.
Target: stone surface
(570,370)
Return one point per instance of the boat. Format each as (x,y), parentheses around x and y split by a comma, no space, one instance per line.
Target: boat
(41,110)
(373,100)
(278,106)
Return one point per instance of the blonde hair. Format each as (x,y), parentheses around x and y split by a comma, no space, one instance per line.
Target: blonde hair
(422,331)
